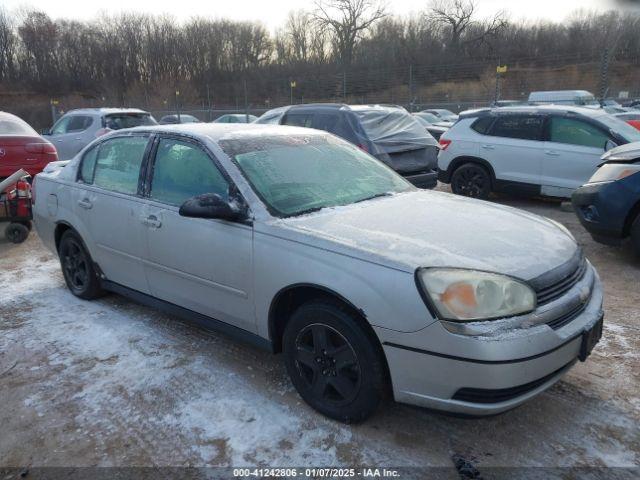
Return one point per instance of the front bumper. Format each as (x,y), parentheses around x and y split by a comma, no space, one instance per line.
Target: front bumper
(602,208)
(423,180)
(486,374)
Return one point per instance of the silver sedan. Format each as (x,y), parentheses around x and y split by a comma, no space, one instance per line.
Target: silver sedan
(301,243)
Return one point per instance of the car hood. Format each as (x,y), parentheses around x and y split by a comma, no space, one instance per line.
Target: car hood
(436,229)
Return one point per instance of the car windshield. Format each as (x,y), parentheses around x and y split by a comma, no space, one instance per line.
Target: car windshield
(621,127)
(394,130)
(297,174)
(128,120)
(10,125)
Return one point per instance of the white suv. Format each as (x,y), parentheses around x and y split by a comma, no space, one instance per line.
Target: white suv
(548,150)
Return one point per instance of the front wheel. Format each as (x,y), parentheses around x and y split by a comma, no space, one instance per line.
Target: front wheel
(336,367)
(77,267)
(471,180)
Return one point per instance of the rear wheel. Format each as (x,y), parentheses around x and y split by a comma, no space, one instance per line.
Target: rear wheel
(16,232)
(335,366)
(77,267)
(635,235)
(471,180)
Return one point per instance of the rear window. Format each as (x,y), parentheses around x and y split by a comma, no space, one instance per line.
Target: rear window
(524,127)
(394,130)
(10,125)
(128,120)
(298,119)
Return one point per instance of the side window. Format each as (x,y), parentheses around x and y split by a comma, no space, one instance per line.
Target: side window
(118,164)
(482,125)
(88,165)
(182,170)
(576,132)
(298,119)
(61,126)
(273,119)
(525,127)
(72,123)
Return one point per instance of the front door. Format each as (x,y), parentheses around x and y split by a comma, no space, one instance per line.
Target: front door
(571,155)
(69,135)
(109,205)
(204,265)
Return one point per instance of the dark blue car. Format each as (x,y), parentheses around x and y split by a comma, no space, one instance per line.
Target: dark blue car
(609,204)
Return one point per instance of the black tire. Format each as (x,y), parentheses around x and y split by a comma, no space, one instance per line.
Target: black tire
(471,180)
(635,235)
(27,224)
(334,364)
(77,267)
(16,232)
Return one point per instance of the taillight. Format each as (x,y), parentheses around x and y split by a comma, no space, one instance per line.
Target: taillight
(44,147)
(444,143)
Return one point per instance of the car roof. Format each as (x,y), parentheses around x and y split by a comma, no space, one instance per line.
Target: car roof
(220,131)
(560,109)
(106,111)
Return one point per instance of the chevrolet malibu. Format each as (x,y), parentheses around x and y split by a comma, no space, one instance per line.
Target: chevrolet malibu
(301,243)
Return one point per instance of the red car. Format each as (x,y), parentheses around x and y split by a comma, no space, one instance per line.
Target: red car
(632,118)
(22,147)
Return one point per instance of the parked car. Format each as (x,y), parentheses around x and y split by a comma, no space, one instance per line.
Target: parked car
(387,132)
(443,114)
(176,119)
(507,103)
(632,118)
(77,128)
(433,119)
(546,150)
(22,147)
(564,97)
(236,118)
(608,206)
(435,131)
(301,243)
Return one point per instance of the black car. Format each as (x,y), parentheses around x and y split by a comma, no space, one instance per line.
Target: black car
(609,204)
(387,132)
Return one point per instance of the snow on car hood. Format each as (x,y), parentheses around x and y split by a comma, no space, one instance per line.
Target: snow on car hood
(428,229)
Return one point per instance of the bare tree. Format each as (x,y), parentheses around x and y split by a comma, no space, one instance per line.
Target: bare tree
(348,21)
(457,16)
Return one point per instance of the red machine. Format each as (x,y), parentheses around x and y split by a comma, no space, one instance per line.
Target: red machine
(15,206)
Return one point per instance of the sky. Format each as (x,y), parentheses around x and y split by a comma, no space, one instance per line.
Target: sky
(273,12)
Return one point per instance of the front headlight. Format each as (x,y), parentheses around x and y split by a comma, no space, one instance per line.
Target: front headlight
(470,295)
(610,172)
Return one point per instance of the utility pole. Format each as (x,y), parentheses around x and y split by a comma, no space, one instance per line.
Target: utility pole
(209,102)
(604,74)
(178,105)
(246,102)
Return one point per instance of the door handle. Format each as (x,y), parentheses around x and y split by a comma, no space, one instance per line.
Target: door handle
(552,153)
(78,138)
(488,147)
(152,221)
(85,203)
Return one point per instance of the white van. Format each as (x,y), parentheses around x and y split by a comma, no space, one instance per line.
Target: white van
(564,97)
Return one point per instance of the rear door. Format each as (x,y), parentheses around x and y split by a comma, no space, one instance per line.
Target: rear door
(514,148)
(204,265)
(571,155)
(109,204)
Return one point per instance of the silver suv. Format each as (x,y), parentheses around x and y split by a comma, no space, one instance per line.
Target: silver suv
(299,242)
(77,128)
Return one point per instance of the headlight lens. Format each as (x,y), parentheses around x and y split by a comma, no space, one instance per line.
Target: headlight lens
(610,172)
(469,295)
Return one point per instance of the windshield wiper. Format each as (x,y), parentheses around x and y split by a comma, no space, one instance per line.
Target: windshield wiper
(305,212)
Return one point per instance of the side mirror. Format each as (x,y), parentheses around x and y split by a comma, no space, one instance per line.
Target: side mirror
(610,145)
(211,205)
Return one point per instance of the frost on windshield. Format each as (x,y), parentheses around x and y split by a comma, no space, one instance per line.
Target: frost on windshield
(294,174)
(394,130)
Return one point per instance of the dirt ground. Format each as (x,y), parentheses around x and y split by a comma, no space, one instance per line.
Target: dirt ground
(113,383)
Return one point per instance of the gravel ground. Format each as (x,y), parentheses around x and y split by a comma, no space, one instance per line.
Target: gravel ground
(113,383)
